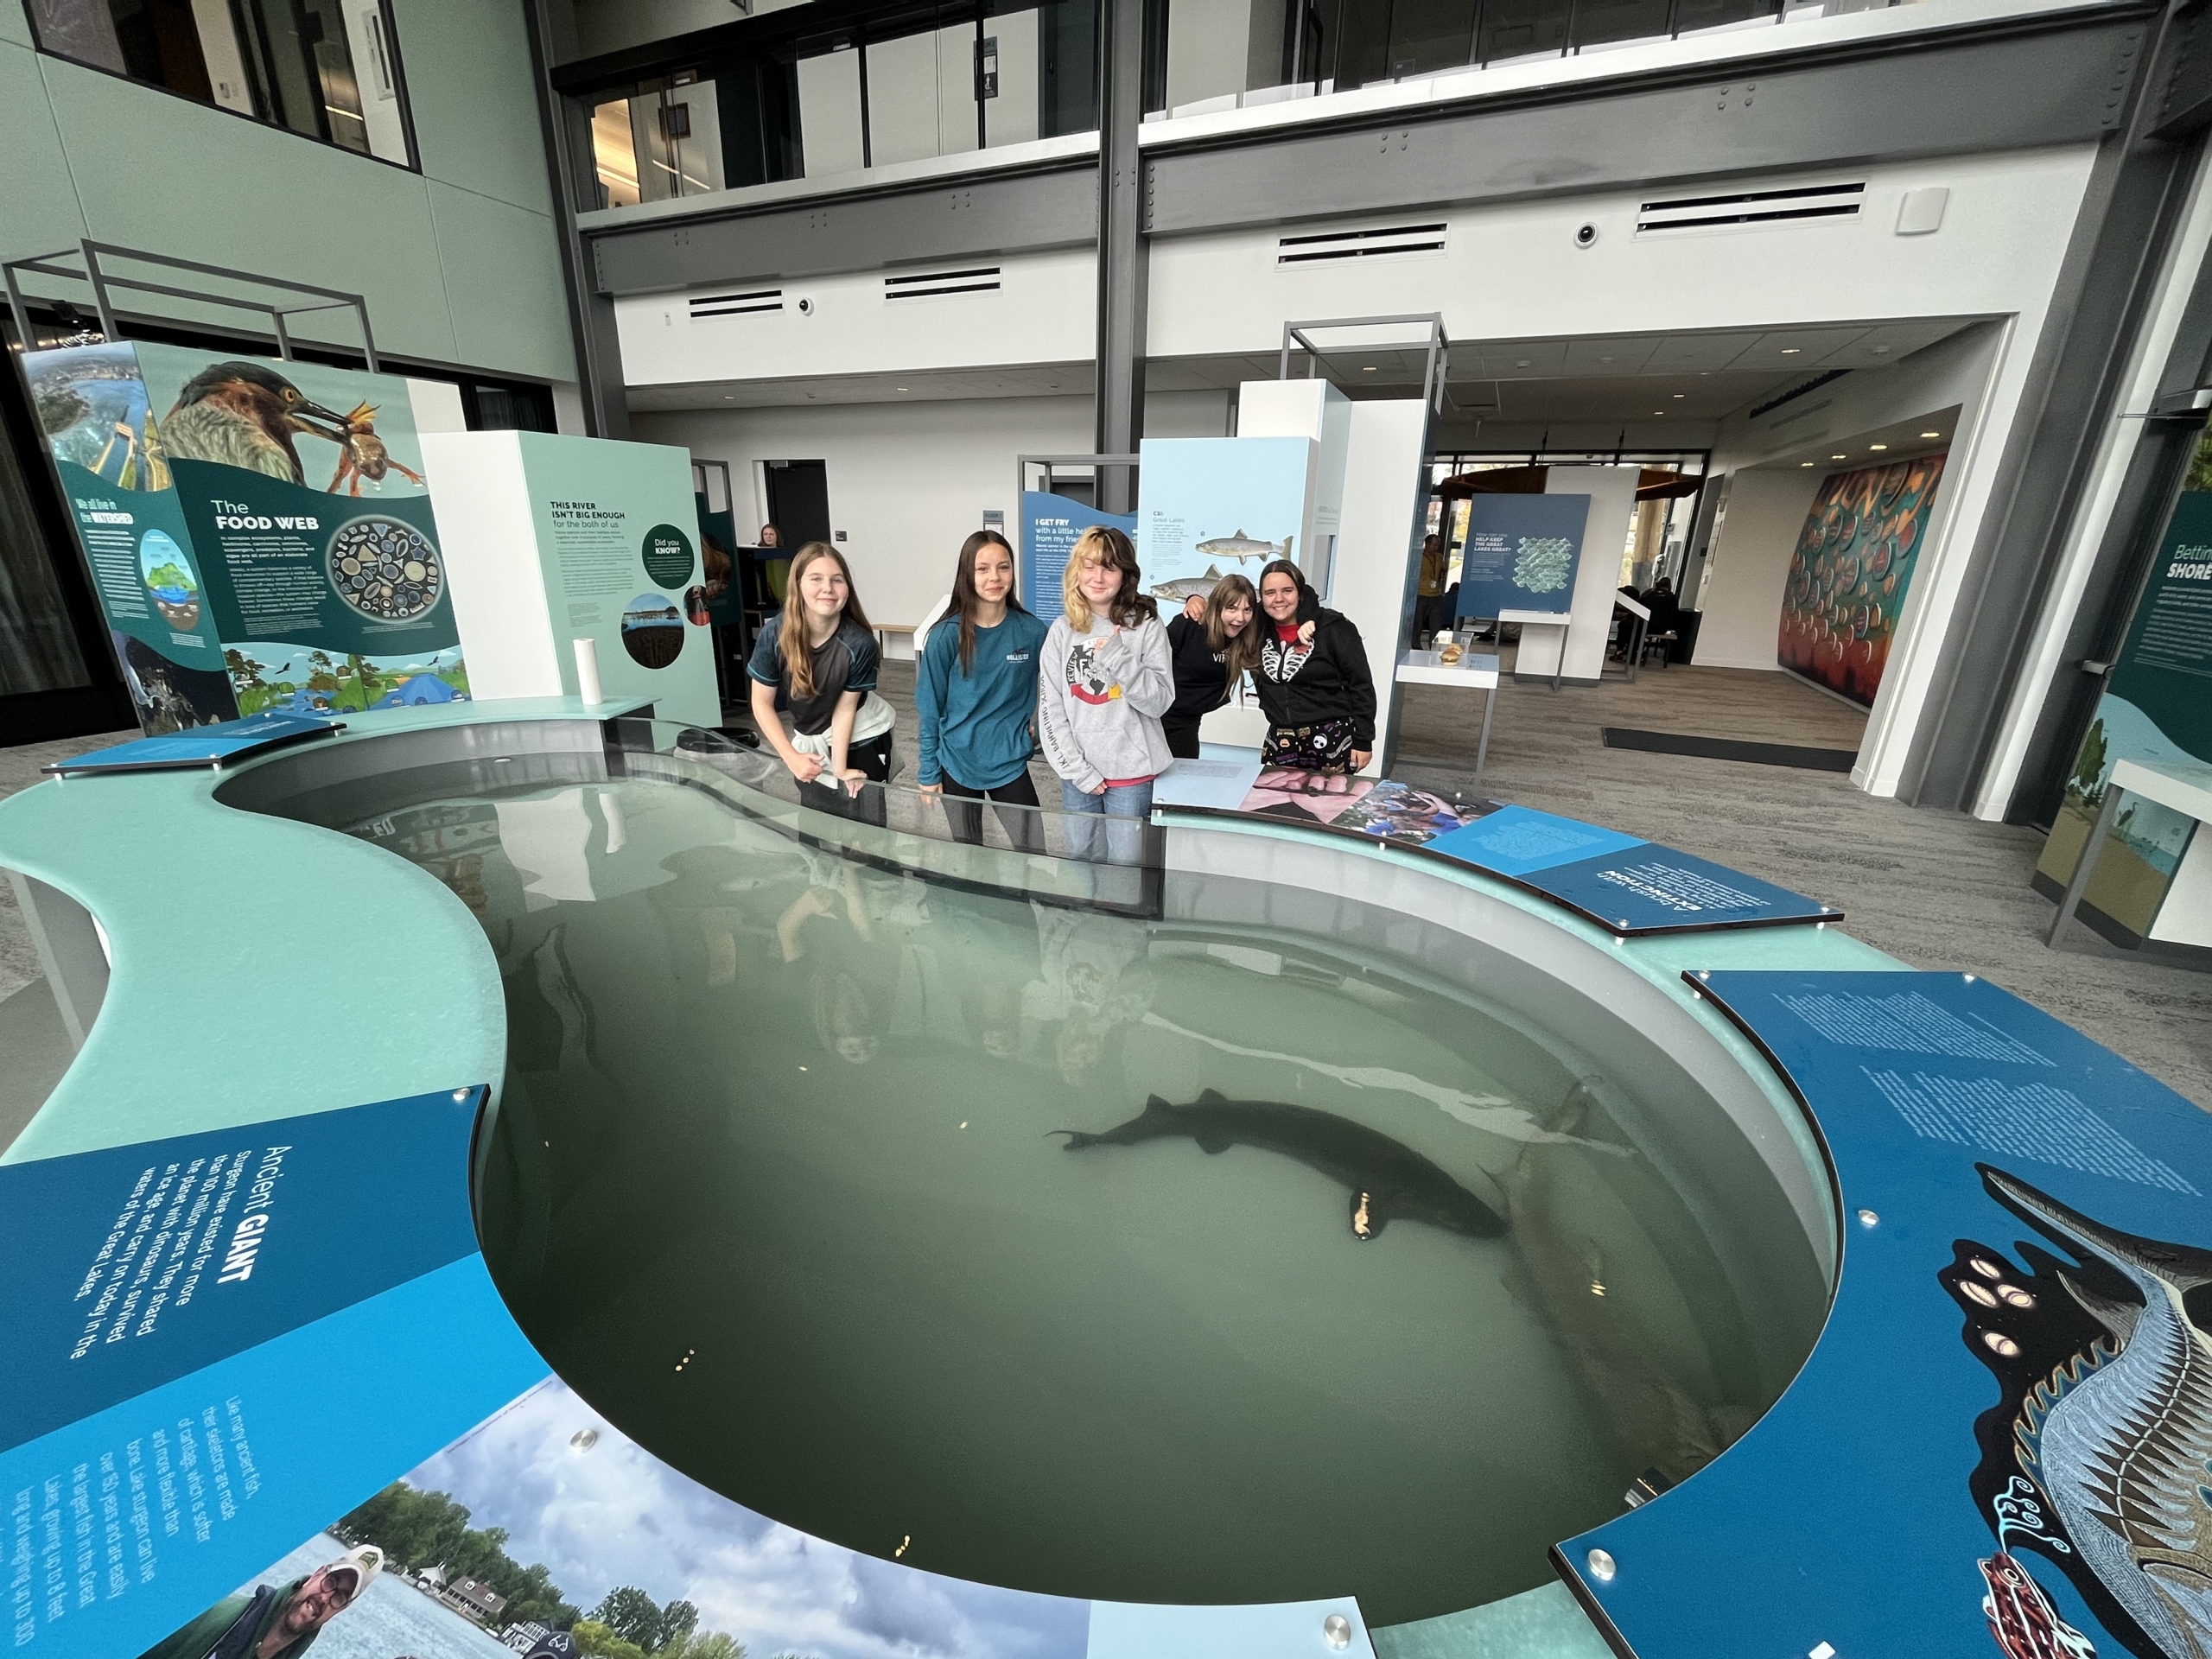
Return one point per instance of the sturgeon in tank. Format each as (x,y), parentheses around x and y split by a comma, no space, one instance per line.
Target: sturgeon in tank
(1387,1180)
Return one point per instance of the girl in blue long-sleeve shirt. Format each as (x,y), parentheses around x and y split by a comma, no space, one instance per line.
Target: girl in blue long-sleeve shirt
(976,690)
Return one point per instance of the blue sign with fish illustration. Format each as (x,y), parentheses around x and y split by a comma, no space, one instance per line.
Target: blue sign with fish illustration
(2000,1445)
(1216,507)
(1523,553)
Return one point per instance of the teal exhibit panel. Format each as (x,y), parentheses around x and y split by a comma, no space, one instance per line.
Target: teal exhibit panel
(259,532)
(557,539)
(2156,707)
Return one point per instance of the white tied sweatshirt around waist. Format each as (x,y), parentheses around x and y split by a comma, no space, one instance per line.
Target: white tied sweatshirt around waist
(1100,695)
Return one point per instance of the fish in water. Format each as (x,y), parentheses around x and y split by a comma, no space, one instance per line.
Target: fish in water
(1184,588)
(1389,1181)
(2119,1440)
(1241,546)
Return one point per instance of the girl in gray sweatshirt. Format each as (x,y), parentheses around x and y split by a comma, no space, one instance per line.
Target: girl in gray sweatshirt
(1105,678)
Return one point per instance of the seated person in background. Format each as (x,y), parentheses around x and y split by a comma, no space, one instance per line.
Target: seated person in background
(1666,610)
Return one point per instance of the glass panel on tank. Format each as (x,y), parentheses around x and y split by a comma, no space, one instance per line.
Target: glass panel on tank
(1150,1259)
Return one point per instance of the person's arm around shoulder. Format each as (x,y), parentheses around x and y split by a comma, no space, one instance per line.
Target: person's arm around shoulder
(1351,652)
(933,673)
(1148,685)
(1061,751)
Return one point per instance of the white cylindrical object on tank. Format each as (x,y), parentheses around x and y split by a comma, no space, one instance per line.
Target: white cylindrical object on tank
(588,672)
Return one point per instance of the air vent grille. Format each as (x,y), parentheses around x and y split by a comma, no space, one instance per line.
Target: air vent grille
(1752,207)
(736,305)
(937,284)
(1333,247)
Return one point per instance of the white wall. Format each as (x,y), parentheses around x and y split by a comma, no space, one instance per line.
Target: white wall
(1749,566)
(1045,311)
(1512,270)
(908,482)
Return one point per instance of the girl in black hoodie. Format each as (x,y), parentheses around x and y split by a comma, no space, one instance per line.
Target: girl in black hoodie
(1318,696)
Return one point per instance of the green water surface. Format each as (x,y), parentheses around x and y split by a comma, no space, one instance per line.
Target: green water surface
(774,1185)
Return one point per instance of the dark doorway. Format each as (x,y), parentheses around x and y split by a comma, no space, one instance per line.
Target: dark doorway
(798,501)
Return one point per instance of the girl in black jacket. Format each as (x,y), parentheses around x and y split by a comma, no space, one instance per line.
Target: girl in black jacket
(1318,696)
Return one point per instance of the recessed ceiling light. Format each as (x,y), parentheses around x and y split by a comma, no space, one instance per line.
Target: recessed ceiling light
(1522,364)
(1804,463)
(1878,446)
(1792,351)
(1931,435)
(1658,411)
(1881,351)
(1367,369)
(1681,394)
(1605,359)
(901,388)
(1839,457)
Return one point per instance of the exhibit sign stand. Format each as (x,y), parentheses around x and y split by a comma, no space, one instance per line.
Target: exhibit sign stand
(555,539)
(259,532)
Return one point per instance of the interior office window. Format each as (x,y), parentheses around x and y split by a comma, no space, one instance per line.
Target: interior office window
(1597,22)
(663,142)
(1517,29)
(325,69)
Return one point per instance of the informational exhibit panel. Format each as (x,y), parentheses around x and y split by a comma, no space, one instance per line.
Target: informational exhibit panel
(252,1368)
(1994,1448)
(1521,554)
(1851,571)
(259,532)
(557,538)
(1213,507)
(1050,525)
(2156,707)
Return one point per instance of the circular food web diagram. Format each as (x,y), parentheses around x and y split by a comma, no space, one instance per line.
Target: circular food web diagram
(386,569)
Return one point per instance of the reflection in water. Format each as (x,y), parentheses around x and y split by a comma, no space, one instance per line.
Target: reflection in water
(788,1119)
(1385,1177)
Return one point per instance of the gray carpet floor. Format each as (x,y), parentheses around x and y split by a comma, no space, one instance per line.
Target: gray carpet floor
(1937,890)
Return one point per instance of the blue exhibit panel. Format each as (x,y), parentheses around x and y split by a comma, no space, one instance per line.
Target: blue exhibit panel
(216,744)
(2000,1444)
(1523,553)
(133,1266)
(1627,886)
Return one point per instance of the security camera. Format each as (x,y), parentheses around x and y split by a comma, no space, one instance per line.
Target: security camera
(806,307)
(1586,236)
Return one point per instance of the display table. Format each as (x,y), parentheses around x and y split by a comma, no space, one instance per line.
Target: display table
(1528,620)
(1470,673)
(2186,789)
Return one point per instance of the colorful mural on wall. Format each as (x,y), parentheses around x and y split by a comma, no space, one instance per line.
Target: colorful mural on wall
(1851,571)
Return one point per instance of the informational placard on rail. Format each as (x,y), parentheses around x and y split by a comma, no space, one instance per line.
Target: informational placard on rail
(1995,1449)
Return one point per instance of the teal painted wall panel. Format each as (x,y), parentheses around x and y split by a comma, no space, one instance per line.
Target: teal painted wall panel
(465,63)
(475,283)
(162,173)
(15,26)
(503,284)
(38,206)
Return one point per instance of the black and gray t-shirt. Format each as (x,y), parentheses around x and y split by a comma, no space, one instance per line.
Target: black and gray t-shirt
(846,661)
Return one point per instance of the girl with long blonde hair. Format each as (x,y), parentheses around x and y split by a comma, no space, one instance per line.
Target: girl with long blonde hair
(1104,681)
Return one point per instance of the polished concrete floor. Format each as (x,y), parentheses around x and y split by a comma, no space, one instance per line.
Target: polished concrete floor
(1937,890)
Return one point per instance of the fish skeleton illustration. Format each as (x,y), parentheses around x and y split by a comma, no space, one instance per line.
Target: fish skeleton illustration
(2120,1441)
(1184,588)
(1241,546)
(1388,1180)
